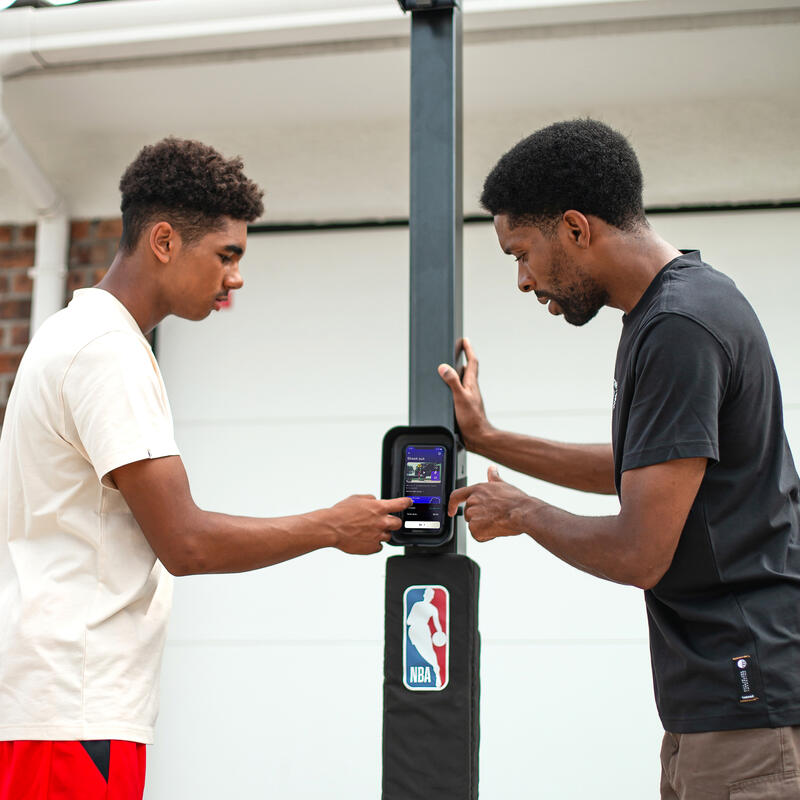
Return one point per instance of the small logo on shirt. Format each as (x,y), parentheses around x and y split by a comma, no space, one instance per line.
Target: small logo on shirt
(614,399)
(744,679)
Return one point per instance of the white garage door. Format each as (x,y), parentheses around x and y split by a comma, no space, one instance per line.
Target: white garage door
(272,680)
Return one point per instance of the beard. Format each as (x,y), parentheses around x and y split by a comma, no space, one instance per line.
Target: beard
(582,297)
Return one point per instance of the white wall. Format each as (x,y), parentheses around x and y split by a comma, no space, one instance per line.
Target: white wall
(272,680)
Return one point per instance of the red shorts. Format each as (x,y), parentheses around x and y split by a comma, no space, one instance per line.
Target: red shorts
(102,770)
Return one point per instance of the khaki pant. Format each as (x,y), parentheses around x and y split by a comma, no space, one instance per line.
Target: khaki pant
(752,764)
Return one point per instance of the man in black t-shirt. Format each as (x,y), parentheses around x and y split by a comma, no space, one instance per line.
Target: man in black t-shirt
(709,521)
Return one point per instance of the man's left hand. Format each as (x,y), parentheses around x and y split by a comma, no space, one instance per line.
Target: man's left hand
(491,509)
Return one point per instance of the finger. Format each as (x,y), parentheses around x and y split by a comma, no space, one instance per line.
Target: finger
(396,504)
(386,537)
(494,474)
(392,523)
(361,497)
(450,377)
(471,369)
(457,498)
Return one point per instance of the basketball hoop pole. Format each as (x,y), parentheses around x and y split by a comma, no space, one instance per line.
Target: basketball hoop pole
(430,738)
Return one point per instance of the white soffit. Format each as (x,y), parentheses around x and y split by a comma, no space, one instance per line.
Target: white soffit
(37,39)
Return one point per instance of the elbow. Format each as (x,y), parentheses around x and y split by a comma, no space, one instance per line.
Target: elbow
(646,576)
(183,553)
(645,582)
(185,560)
(177,566)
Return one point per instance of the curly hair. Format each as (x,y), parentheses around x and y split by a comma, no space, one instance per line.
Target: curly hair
(190,185)
(579,164)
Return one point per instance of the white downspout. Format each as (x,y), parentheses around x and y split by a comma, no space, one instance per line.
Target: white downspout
(52,225)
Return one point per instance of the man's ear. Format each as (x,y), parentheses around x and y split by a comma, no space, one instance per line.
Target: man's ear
(163,241)
(577,228)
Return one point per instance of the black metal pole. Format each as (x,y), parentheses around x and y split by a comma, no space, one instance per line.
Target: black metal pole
(430,738)
(436,215)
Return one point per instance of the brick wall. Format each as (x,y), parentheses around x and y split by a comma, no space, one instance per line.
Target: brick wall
(92,247)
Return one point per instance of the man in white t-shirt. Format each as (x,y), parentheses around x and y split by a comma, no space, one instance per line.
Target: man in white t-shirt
(95,506)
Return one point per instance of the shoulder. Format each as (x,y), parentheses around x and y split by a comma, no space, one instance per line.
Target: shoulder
(682,337)
(692,298)
(114,358)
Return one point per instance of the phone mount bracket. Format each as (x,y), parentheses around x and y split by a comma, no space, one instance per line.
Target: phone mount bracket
(392,479)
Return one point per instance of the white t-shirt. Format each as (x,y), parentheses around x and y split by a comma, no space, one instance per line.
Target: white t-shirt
(84,601)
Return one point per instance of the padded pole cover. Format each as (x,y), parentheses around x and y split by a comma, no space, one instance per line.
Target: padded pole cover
(430,735)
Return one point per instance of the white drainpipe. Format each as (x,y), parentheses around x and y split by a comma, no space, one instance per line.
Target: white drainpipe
(52,226)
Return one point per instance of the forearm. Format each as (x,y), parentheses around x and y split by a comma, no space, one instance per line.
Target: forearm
(586,467)
(208,542)
(606,547)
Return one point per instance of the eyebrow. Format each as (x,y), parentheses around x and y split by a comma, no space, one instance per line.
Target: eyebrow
(234,248)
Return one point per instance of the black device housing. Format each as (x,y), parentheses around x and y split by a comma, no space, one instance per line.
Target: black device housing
(392,479)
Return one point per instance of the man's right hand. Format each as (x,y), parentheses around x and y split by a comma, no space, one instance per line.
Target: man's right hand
(470,413)
(362,523)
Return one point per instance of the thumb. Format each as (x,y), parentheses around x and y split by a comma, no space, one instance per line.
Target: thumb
(449,376)
(494,474)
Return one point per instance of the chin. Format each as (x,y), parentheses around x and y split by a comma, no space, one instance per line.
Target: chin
(194,316)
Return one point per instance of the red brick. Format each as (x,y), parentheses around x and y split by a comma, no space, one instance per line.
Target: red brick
(98,275)
(20,334)
(22,283)
(17,257)
(9,362)
(27,233)
(6,232)
(82,255)
(75,280)
(78,254)
(102,254)
(3,285)
(109,229)
(79,229)
(15,309)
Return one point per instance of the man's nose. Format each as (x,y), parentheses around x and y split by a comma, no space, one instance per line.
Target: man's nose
(234,279)
(525,280)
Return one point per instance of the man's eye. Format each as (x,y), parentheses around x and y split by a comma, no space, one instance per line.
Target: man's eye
(225,258)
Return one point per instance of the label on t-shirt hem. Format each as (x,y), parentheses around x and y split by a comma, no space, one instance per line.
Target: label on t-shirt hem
(744,678)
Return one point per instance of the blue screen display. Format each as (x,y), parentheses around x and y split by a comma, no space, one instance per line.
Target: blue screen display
(423,481)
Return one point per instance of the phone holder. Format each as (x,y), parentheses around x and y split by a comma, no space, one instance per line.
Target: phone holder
(395,443)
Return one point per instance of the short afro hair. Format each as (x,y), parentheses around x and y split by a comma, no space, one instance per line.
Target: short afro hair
(579,164)
(188,184)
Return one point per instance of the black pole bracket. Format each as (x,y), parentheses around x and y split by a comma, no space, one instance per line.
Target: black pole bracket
(427,5)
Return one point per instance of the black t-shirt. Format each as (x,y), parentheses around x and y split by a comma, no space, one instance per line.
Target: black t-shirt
(695,378)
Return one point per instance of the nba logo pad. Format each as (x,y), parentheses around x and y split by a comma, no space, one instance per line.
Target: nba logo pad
(426,638)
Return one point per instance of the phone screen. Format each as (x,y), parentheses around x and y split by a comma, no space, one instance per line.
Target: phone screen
(423,482)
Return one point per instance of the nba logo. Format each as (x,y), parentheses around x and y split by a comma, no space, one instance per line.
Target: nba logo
(426,638)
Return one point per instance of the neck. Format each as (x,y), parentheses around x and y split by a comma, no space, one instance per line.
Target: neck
(634,259)
(128,281)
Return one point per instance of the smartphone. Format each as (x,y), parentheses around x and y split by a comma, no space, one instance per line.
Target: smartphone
(424,469)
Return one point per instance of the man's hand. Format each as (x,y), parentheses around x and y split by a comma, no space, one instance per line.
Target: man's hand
(491,509)
(362,524)
(470,413)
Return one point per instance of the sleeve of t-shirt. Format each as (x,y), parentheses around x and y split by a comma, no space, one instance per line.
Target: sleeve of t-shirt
(681,374)
(117,404)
